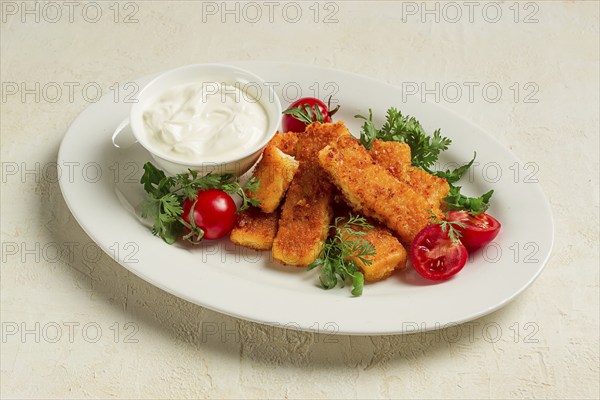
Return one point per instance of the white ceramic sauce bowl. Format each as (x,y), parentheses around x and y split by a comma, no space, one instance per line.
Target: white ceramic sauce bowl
(199,73)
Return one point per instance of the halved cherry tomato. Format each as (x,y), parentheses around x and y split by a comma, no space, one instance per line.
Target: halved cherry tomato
(434,256)
(291,123)
(214,213)
(478,230)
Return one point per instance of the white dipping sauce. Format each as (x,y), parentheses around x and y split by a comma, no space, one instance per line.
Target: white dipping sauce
(201,122)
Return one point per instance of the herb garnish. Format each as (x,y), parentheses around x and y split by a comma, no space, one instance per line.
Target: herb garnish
(338,259)
(308,113)
(425,150)
(448,226)
(165,196)
(475,205)
(453,176)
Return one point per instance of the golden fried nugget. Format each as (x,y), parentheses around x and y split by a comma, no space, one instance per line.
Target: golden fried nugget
(275,171)
(306,212)
(396,157)
(373,191)
(389,253)
(285,142)
(255,229)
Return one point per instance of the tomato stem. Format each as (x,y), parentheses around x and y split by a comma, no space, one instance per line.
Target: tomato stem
(329,110)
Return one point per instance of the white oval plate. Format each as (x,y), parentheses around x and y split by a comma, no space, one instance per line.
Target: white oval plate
(249,285)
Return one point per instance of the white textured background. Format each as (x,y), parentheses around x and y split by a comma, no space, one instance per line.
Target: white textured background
(554,353)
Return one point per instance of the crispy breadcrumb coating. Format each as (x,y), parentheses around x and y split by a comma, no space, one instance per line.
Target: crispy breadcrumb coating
(275,171)
(389,253)
(286,142)
(306,212)
(395,156)
(373,191)
(255,229)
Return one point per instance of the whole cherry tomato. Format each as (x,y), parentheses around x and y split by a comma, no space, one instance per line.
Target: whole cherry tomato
(214,213)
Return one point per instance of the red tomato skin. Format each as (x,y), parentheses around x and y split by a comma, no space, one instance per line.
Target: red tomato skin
(478,230)
(291,124)
(434,256)
(214,213)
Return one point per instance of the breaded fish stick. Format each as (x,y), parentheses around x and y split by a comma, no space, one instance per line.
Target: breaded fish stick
(285,142)
(389,254)
(433,188)
(396,157)
(373,191)
(306,212)
(275,171)
(255,229)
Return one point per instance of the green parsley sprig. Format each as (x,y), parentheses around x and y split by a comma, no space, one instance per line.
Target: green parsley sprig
(165,196)
(448,226)
(338,259)
(425,150)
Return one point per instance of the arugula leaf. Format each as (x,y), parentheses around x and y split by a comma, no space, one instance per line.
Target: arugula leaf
(165,196)
(309,113)
(305,113)
(475,205)
(339,256)
(453,176)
